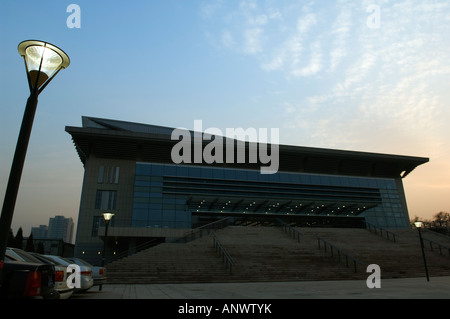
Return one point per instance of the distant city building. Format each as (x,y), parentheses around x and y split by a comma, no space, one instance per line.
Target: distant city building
(39,232)
(58,227)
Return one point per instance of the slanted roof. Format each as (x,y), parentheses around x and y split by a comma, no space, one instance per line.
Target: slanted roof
(150,143)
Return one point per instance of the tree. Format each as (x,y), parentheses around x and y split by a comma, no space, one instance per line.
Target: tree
(441,218)
(30,245)
(18,240)
(11,241)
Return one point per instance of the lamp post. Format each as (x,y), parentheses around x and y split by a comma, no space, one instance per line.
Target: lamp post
(42,62)
(107,217)
(419,225)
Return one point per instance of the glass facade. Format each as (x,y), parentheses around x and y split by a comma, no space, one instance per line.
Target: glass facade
(171,195)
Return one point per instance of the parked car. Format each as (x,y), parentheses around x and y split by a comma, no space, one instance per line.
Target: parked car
(98,272)
(86,280)
(23,276)
(60,276)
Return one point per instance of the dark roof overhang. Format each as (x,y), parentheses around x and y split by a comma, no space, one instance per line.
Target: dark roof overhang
(147,143)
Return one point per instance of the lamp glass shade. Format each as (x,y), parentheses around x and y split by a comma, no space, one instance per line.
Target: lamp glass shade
(34,56)
(43,60)
(418,224)
(108,216)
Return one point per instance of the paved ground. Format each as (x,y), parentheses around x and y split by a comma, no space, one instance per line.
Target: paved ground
(412,288)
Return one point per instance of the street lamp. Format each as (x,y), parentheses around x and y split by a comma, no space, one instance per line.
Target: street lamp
(107,217)
(42,62)
(419,226)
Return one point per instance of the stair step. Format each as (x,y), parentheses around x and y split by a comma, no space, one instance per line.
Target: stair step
(268,254)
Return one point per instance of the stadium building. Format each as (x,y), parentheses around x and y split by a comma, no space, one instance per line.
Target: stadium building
(129,170)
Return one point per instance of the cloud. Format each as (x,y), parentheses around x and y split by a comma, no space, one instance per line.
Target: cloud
(341,32)
(253,40)
(289,55)
(350,84)
(227,40)
(210,8)
(356,75)
(315,64)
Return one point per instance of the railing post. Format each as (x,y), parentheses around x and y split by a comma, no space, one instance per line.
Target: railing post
(226,259)
(339,253)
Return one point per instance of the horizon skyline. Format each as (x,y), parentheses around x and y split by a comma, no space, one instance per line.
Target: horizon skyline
(366,75)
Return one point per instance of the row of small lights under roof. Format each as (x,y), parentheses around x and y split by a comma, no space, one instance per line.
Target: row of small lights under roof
(276,205)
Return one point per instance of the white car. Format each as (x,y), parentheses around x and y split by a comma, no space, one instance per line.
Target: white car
(98,273)
(86,280)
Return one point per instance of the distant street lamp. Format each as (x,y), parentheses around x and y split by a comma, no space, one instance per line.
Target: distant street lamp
(42,61)
(107,217)
(419,225)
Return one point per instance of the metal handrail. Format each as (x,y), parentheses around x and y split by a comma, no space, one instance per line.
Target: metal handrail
(190,236)
(126,253)
(339,252)
(198,232)
(369,226)
(437,244)
(222,252)
(296,234)
(291,231)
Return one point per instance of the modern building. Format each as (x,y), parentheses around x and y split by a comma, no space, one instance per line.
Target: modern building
(129,169)
(39,232)
(59,227)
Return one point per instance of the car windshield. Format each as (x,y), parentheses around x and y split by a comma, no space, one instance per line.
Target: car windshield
(80,262)
(49,260)
(59,260)
(23,255)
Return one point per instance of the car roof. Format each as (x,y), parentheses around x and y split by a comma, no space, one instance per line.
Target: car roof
(81,261)
(59,259)
(21,255)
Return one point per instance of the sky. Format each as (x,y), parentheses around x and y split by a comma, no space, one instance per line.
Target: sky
(355,75)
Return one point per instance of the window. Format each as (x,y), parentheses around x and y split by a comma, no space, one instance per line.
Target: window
(108,174)
(101,172)
(116,177)
(106,200)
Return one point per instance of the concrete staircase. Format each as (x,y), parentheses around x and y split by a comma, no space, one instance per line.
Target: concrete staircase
(399,259)
(195,261)
(269,254)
